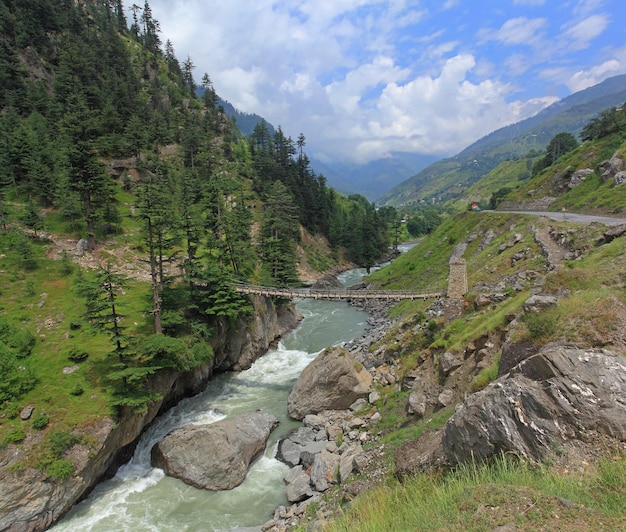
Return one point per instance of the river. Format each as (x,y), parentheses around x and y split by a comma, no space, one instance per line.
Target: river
(140,497)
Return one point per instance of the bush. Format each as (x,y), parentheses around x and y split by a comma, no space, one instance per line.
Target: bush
(21,342)
(58,442)
(60,469)
(77,390)
(15,435)
(77,355)
(541,326)
(40,420)
(16,379)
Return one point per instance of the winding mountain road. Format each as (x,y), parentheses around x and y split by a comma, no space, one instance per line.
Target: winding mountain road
(572,217)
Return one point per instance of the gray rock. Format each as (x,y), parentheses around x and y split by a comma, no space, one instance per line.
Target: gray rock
(215,456)
(333,381)
(300,488)
(417,403)
(537,303)
(324,472)
(303,440)
(578,177)
(373,397)
(359,404)
(26,412)
(346,464)
(446,397)
(418,456)
(293,474)
(555,395)
(448,362)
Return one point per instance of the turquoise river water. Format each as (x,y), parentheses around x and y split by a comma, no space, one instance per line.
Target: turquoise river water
(141,498)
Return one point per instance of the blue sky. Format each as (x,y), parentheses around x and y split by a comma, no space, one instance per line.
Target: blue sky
(363,78)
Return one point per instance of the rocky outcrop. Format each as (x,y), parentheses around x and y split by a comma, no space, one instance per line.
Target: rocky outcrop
(333,381)
(31,501)
(611,234)
(560,394)
(215,456)
(613,169)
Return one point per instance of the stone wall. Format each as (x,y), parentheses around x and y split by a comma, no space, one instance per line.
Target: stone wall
(457,282)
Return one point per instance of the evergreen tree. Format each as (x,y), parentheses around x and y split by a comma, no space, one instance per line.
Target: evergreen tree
(279,234)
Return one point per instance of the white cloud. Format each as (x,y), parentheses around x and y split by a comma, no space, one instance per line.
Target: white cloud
(583,79)
(519,30)
(581,34)
(458,111)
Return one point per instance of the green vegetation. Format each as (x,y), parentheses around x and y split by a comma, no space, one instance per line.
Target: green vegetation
(505,492)
(597,193)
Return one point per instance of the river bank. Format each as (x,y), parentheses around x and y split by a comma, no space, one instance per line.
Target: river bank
(31,501)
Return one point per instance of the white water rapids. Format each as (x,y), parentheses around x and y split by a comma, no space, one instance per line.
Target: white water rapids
(141,498)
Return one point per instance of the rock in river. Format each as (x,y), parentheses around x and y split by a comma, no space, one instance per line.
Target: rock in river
(333,381)
(215,456)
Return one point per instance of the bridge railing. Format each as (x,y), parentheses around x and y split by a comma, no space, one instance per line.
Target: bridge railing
(315,293)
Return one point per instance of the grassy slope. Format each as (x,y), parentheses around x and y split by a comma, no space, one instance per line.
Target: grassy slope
(45,301)
(486,496)
(595,194)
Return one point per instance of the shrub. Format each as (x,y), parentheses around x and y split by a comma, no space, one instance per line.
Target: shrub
(22,342)
(59,441)
(40,420)
(541,326)
(77,355)
(15,435)
(77,390)
(60,469)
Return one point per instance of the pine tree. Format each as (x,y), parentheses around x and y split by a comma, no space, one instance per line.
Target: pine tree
(279,233)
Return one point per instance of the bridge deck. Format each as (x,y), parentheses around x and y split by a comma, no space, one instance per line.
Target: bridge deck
(291,293)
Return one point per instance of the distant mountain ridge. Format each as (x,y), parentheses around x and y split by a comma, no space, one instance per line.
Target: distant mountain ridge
(447,178)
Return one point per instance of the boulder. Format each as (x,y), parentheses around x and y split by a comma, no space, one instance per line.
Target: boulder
(418,456)
(215,456)
(333,381)
(558,394)
(417,403)
(300,441)
(347,462)
(325,470)
(537,303)
(298,486)
(448,362)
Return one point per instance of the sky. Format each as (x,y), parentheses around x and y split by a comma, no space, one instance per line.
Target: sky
(364,78)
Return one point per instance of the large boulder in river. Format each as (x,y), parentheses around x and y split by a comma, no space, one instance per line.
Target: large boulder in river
(333,381)
(558,394)
(216,456)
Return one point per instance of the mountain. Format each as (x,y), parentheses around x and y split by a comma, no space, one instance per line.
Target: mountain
(375,178)
(448,178)
(246,122)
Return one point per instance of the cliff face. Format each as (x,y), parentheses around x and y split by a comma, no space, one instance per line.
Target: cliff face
(30,501)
